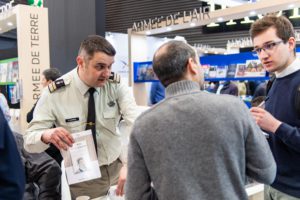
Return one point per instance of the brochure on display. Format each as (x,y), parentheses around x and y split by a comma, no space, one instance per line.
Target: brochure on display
(233,66)
(9,70)
(241,66)
(81,163)
(251,68)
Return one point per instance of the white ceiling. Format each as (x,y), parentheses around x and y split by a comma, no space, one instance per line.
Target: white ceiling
(7,21)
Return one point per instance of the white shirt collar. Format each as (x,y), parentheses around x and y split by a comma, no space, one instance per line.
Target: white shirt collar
(294,66)
(83,88)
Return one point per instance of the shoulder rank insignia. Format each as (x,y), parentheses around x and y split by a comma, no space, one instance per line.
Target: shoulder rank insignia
(114,78)
(59,83)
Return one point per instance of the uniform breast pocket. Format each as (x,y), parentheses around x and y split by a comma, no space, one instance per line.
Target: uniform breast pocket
(109,119)
(75,124)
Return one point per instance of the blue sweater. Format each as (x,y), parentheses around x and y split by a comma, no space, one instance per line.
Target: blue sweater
(285,143)
(12,175)
(157,92)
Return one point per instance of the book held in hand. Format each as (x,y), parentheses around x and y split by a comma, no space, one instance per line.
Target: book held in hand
(81,163)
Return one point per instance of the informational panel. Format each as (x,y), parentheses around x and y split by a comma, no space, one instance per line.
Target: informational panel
(143,72)
(33,54)
(241,66)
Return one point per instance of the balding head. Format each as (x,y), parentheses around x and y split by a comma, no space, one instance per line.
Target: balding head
(170,61)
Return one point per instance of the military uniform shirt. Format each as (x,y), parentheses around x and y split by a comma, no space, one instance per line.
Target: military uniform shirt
(67,107)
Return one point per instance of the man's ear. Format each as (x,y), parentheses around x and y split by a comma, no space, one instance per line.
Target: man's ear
(48,82)
(192,67)
(79,60)
(292,43)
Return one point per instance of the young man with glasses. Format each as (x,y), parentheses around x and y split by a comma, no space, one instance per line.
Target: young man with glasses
(274,42)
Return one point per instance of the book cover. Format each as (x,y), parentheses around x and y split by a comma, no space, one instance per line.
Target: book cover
(212,73)
(9,72)
(221,71)
(3,72)
(81,163)
(254,68)
(205,69)
(231,71)
(240,70)
(15,71)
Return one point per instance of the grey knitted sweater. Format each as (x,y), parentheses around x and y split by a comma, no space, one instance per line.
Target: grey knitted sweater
(195,145)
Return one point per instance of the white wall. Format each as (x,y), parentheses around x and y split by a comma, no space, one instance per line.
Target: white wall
(142,49)
(120,43)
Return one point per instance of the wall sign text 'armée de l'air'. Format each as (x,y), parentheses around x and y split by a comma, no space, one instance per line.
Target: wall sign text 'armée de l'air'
(173,19)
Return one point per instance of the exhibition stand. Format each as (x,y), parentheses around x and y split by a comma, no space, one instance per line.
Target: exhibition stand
(33,53)
(139,50)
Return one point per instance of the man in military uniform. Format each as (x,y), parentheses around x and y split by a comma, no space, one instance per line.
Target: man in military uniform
(65,105)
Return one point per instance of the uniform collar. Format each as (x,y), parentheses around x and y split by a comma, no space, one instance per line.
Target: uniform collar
(294,66)
(83,88)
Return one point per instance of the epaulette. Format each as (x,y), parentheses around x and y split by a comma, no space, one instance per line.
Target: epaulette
(59,83)
(114,78)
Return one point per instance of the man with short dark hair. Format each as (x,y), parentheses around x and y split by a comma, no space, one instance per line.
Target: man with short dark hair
(274,42)
(49,75)
(65,105)
(194,145)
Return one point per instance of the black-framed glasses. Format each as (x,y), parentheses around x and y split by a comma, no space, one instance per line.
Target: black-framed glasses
(268,48)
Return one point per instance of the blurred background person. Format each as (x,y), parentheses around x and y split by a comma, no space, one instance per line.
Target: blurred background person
(12,175)
(4,107)
(48,76)
(157,92)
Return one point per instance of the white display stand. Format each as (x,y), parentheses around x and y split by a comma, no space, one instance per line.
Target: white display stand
(137,45)
(33,52)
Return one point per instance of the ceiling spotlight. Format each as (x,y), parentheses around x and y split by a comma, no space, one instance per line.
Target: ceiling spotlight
(148,32)
(10,24)
(252,13)
(291,6)
(192,24)
(220,19)
(247,20)
(231,22)
(213,25)
(169,28)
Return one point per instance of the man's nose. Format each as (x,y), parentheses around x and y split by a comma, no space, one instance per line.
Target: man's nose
(106,72)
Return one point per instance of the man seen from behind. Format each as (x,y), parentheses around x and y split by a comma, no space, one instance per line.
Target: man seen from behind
(194,145)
